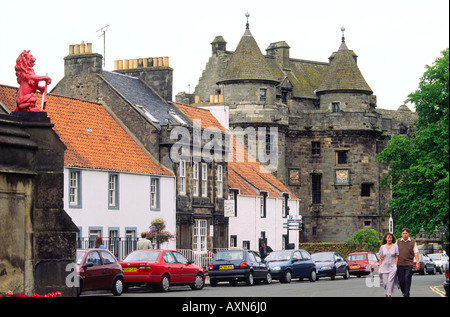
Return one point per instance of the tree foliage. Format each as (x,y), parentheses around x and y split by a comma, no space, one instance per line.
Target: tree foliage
(419,165)
(367,238)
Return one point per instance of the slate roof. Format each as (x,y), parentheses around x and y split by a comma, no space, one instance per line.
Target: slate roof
(247,63)
(344,74)
(140,95)
(249,176)
(92,137)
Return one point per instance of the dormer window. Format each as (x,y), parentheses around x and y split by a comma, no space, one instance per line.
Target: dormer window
(174,115)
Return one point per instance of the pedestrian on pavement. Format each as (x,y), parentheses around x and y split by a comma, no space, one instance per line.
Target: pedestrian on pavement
(144,243)
(388,264)
(264,250)
(408,250)
(98,243)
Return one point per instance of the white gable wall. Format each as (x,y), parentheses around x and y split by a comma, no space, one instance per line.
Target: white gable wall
(248,224)
(133,212)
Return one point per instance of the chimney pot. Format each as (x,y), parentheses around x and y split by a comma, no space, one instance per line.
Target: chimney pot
(89,48)
(76,49)
(71,49)
(82,48)
(166,61)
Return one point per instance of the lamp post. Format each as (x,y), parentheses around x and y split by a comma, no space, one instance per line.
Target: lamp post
(155,231)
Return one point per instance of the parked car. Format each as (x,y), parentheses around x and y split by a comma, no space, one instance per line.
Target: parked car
(440,259)
(161,269)
(238,265)
(98,269)
(330,264)
(426,265)
(446,280)
(287,264)
(362,263)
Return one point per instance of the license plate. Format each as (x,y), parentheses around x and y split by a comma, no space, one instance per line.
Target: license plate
(129,269)
(354,266)
(226,267)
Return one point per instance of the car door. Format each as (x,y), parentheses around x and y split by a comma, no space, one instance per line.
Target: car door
(94,275)
(339,263)
(257,269)
(108,265)
(173,268)
(297,267)
(187,271)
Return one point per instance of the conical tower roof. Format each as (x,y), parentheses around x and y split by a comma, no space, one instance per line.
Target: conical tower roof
(344,74)
(247,63)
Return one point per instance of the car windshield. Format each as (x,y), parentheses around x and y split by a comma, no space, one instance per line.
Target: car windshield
(229,255)
(279,256)
(142,256)
(356,257)
(322,257)
(80,256)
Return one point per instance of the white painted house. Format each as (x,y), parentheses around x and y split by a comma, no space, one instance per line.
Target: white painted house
(113,188)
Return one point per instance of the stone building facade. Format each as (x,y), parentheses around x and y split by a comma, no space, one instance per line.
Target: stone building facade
(327,129)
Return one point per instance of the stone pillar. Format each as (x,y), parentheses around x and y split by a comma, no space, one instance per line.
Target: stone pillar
(38,237)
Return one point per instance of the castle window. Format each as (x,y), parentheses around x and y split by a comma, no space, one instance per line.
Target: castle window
(335,107)
(366,189)
(284,96)
(316,180)
(263,94)
(315,148)
(341,157)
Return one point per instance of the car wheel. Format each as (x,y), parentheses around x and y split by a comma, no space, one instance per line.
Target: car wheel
(312,276)
(249,279)
(199,282)
(287,277)
(433,271)
(164,284)
(268,278)
(117,287)
(423,271)
(347,274)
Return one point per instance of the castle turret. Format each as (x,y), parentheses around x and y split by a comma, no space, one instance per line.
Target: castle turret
(218,45)
(344,87)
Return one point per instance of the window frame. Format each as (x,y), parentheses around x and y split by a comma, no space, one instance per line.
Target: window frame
(156,193)
(195,182)
(204,180)
(77,192)
(219,179)
(182,178)
(113,194)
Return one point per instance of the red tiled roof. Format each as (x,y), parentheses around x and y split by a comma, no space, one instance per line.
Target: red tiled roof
(243,170)
(92,137)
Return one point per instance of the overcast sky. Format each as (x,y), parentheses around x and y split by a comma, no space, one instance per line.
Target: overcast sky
(394,39)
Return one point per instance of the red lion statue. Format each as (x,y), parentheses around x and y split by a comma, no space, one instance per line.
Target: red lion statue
(29,83)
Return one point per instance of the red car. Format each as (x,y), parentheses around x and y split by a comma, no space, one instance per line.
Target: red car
(99,270)
(160,269)
(362,263)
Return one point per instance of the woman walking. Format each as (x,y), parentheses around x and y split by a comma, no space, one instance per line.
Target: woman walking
(388,264)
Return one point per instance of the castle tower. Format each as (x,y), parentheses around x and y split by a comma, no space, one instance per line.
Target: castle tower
(344,87)
(249,89)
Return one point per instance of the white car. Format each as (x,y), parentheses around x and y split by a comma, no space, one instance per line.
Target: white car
(440,259)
